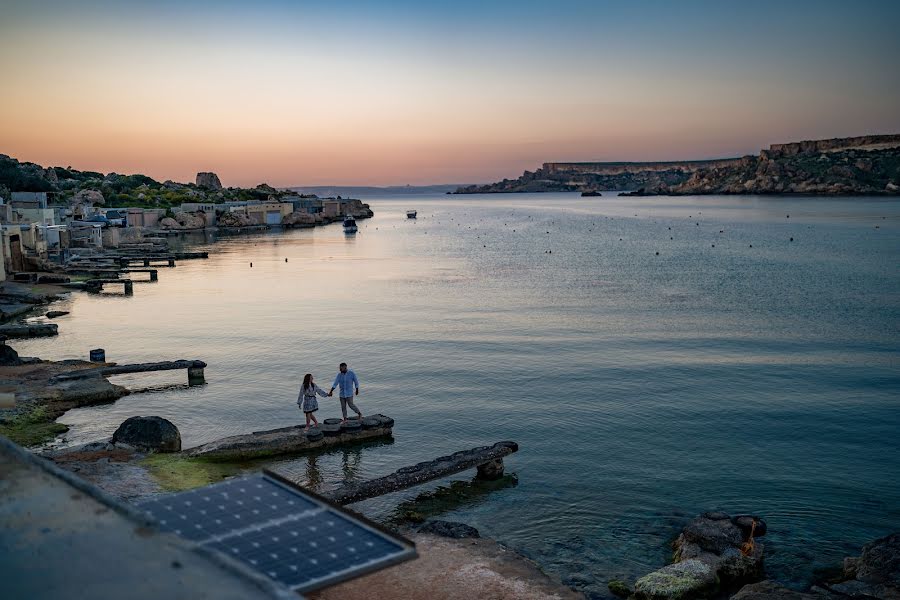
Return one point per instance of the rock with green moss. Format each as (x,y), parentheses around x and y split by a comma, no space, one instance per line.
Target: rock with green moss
(685,580)
(33,428)
(619,588)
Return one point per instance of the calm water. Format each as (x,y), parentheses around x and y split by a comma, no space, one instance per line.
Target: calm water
(642,388)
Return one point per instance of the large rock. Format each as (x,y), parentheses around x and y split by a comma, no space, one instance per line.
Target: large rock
(874,574)
(723,543)
(8,356)
(231,219)
(299,218)
(679,581)
(209,180)
(713,534)
(184,220)
(89,197)
(149,433)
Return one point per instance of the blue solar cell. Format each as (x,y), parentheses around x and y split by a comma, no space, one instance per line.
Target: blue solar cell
(283,532)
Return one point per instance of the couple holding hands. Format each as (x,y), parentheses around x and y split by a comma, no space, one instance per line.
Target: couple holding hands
(349,386)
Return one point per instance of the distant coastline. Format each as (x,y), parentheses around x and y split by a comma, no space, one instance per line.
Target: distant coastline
(864,165)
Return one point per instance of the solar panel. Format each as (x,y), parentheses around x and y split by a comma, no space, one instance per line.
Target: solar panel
(287,533)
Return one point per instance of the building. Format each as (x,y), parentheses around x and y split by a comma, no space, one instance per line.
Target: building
(29,199)
(85,234)
(143,217)
(265,213)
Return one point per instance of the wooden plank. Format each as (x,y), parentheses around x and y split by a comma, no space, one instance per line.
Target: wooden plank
(422,472)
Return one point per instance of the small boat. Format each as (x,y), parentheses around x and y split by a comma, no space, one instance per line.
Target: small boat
(410,214)
(591,193)
(350,225)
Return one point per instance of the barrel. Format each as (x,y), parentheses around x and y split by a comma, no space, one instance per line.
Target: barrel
(98,355)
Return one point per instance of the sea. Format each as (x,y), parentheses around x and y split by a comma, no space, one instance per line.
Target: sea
(653,357)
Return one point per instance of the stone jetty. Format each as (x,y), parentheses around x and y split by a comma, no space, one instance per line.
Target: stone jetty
(290,440)
(487,459)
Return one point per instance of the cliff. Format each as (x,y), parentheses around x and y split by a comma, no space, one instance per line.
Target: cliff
(868,166)
(838,166)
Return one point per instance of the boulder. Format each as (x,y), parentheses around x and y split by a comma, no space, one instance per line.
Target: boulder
(299,218)
(449,529)
(56,313)
(713,535)
(8,356)
(875,574)
(149,433)
(209,180)
(683,580)
(184,220)
(89,197)
(231,219)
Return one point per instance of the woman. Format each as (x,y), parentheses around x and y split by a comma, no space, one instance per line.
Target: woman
(307,399)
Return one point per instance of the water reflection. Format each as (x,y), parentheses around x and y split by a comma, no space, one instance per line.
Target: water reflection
(459,494)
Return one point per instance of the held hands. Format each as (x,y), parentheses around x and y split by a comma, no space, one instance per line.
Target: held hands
(357,391)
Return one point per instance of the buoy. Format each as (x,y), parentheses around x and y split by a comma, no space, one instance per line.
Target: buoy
(285,260)
(713,245)
(251,265)
(671,238)
(751,245)
(787,216)
(657,253)
(792,239)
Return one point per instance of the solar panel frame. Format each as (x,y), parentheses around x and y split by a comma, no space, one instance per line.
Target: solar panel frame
(251,531)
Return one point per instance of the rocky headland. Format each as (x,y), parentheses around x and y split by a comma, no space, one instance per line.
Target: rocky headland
(865,165)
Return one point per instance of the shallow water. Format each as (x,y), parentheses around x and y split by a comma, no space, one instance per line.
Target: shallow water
(642,388)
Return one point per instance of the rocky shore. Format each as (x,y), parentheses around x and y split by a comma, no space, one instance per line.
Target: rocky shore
(865,165)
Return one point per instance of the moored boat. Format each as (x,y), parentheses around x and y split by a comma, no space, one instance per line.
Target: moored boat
(350,225)
(410,214)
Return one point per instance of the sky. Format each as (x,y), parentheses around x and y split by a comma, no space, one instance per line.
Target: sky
(395,93)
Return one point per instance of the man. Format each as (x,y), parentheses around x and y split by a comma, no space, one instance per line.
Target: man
(348,383)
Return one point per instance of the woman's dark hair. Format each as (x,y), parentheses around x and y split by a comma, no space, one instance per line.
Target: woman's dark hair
(307,380)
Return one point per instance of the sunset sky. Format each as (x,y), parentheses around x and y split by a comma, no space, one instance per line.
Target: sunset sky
(358,93)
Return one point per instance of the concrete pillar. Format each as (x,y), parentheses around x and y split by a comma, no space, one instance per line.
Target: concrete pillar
(491,470)
(154,276)
(195,376)
(171,262)
(98,355)
(129,287)
(146,262)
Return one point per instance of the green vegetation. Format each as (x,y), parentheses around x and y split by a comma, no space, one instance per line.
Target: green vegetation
(176,472)
(32,429)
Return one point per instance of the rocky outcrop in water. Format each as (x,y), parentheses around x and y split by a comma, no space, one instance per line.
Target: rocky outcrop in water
(713,552)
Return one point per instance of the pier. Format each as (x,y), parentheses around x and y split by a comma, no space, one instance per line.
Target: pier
(292,440)
(96,285)
(195,369)
(29,330)
(487,459)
